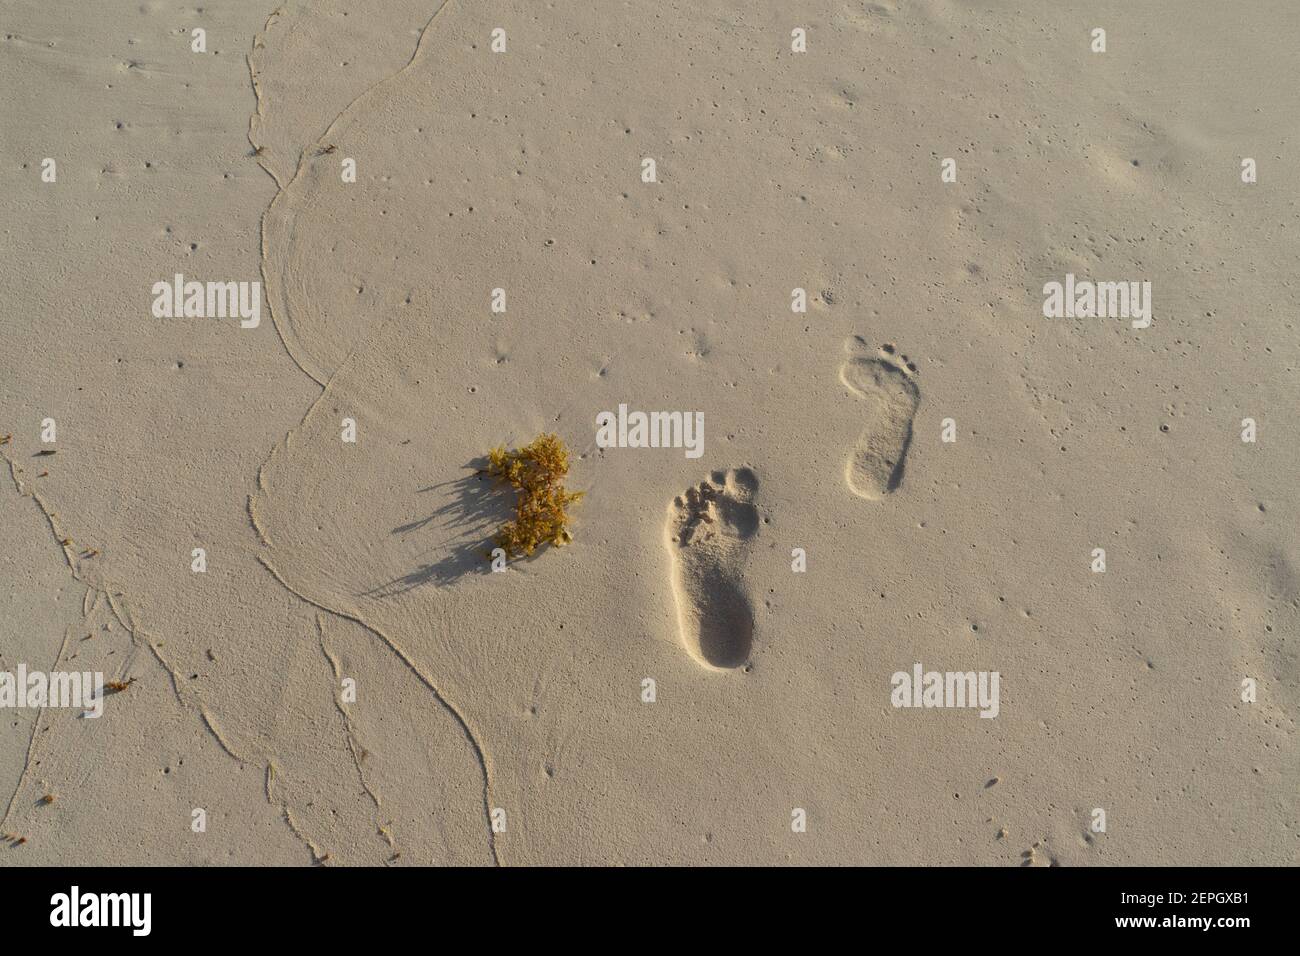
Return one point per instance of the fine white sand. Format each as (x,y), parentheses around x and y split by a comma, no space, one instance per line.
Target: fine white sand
(504,717)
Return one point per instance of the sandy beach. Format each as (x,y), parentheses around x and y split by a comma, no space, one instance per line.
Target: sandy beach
(928,371)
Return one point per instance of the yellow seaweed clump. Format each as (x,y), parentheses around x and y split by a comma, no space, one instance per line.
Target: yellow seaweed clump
(536,473)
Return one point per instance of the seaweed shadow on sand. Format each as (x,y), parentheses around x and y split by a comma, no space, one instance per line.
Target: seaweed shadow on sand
(475,510)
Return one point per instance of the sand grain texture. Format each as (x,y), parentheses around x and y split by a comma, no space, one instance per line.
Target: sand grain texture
(522,691)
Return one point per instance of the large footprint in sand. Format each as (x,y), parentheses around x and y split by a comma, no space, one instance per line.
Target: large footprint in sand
(709,531)
(884,380)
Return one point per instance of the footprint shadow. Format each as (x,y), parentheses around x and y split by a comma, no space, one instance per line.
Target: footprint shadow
(896,476)
(475,508)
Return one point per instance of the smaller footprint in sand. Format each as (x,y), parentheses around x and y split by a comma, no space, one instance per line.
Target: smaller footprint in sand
(885,381)
(709,530)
